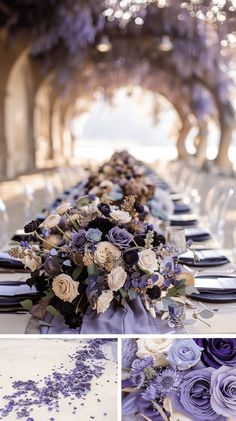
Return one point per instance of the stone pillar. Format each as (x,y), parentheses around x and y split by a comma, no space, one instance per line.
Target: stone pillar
(201,152)
(181,148)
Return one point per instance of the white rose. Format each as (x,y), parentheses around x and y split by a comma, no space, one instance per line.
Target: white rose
(160,280)
(93,206)
(147,261)
(116,278)
(106,185)
(103,250)
(120,216)
(65,287)
(51,221)
(157,348)
(33,263)
(104,300)
(64,207)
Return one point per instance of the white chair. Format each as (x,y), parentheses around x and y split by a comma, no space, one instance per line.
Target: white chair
(4,225)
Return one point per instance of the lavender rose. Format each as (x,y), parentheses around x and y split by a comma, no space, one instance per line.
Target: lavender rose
(79,239)
(194,395)
(120,237)
(218,351)
(223,391)
(184,354)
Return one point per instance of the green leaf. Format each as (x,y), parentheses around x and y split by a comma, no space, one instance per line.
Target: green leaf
(149,372)
(48,295)
(123,292)
(93,269)
(83,201)
(76,273)
(43,323)
(52,310)
(132,294)
(206,314)
(27,304)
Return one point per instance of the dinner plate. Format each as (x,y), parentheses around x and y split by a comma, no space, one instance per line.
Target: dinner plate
(180,208)
(183,220)
(197,234)
(212,289)
(207,258)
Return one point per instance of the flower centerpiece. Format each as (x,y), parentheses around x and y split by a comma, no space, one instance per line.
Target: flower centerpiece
(124,175)
(94,253)
(183,379)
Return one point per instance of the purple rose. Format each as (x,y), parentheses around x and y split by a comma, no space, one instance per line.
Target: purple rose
(120,237)
(79,239)
(194,395)
(184,354)
(218,351)
(223,391)
(104,209)
(52,266)
(94,235)
(131,257)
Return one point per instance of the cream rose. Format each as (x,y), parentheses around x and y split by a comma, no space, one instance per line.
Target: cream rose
(104,300)
(33,263)
(64,207)
(51,221)
(65,287)
(147,261)
(120,216)
(103,250)
(93,206)
(157,348)
(106,185)
(116,278)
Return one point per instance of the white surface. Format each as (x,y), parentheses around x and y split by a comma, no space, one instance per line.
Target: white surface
(24,359)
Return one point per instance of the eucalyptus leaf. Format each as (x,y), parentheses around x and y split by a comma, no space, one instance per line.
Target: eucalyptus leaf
(123,292)
(92,270)
(206,314)
(27,304)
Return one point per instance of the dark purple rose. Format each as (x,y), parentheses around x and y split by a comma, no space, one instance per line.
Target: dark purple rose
(31,226)
(79,239)
(140,240)
(218,351)
(194,395)
(223,391)
(131,257)
(154,293)
(101,223)
(104,209)
(158,239)
(52,266)
(120,237)
(140,209)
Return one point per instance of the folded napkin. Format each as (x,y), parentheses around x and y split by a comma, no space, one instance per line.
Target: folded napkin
(197,234)
(205,258)
(183,220)
(9,262)
(181,208)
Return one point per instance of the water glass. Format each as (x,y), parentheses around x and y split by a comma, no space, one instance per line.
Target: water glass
(176,237)
(176,315)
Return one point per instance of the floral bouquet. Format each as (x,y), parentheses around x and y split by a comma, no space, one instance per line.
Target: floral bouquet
(94,253)
(122,175)
(179,380)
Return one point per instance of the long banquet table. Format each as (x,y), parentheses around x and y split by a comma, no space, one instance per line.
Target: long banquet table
(222,322)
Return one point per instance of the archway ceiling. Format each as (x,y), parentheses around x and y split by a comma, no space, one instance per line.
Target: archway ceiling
(201,32)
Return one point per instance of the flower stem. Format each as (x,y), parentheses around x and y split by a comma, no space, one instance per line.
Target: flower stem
(63,233)
(71,220)
(45,241)
(160,410)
